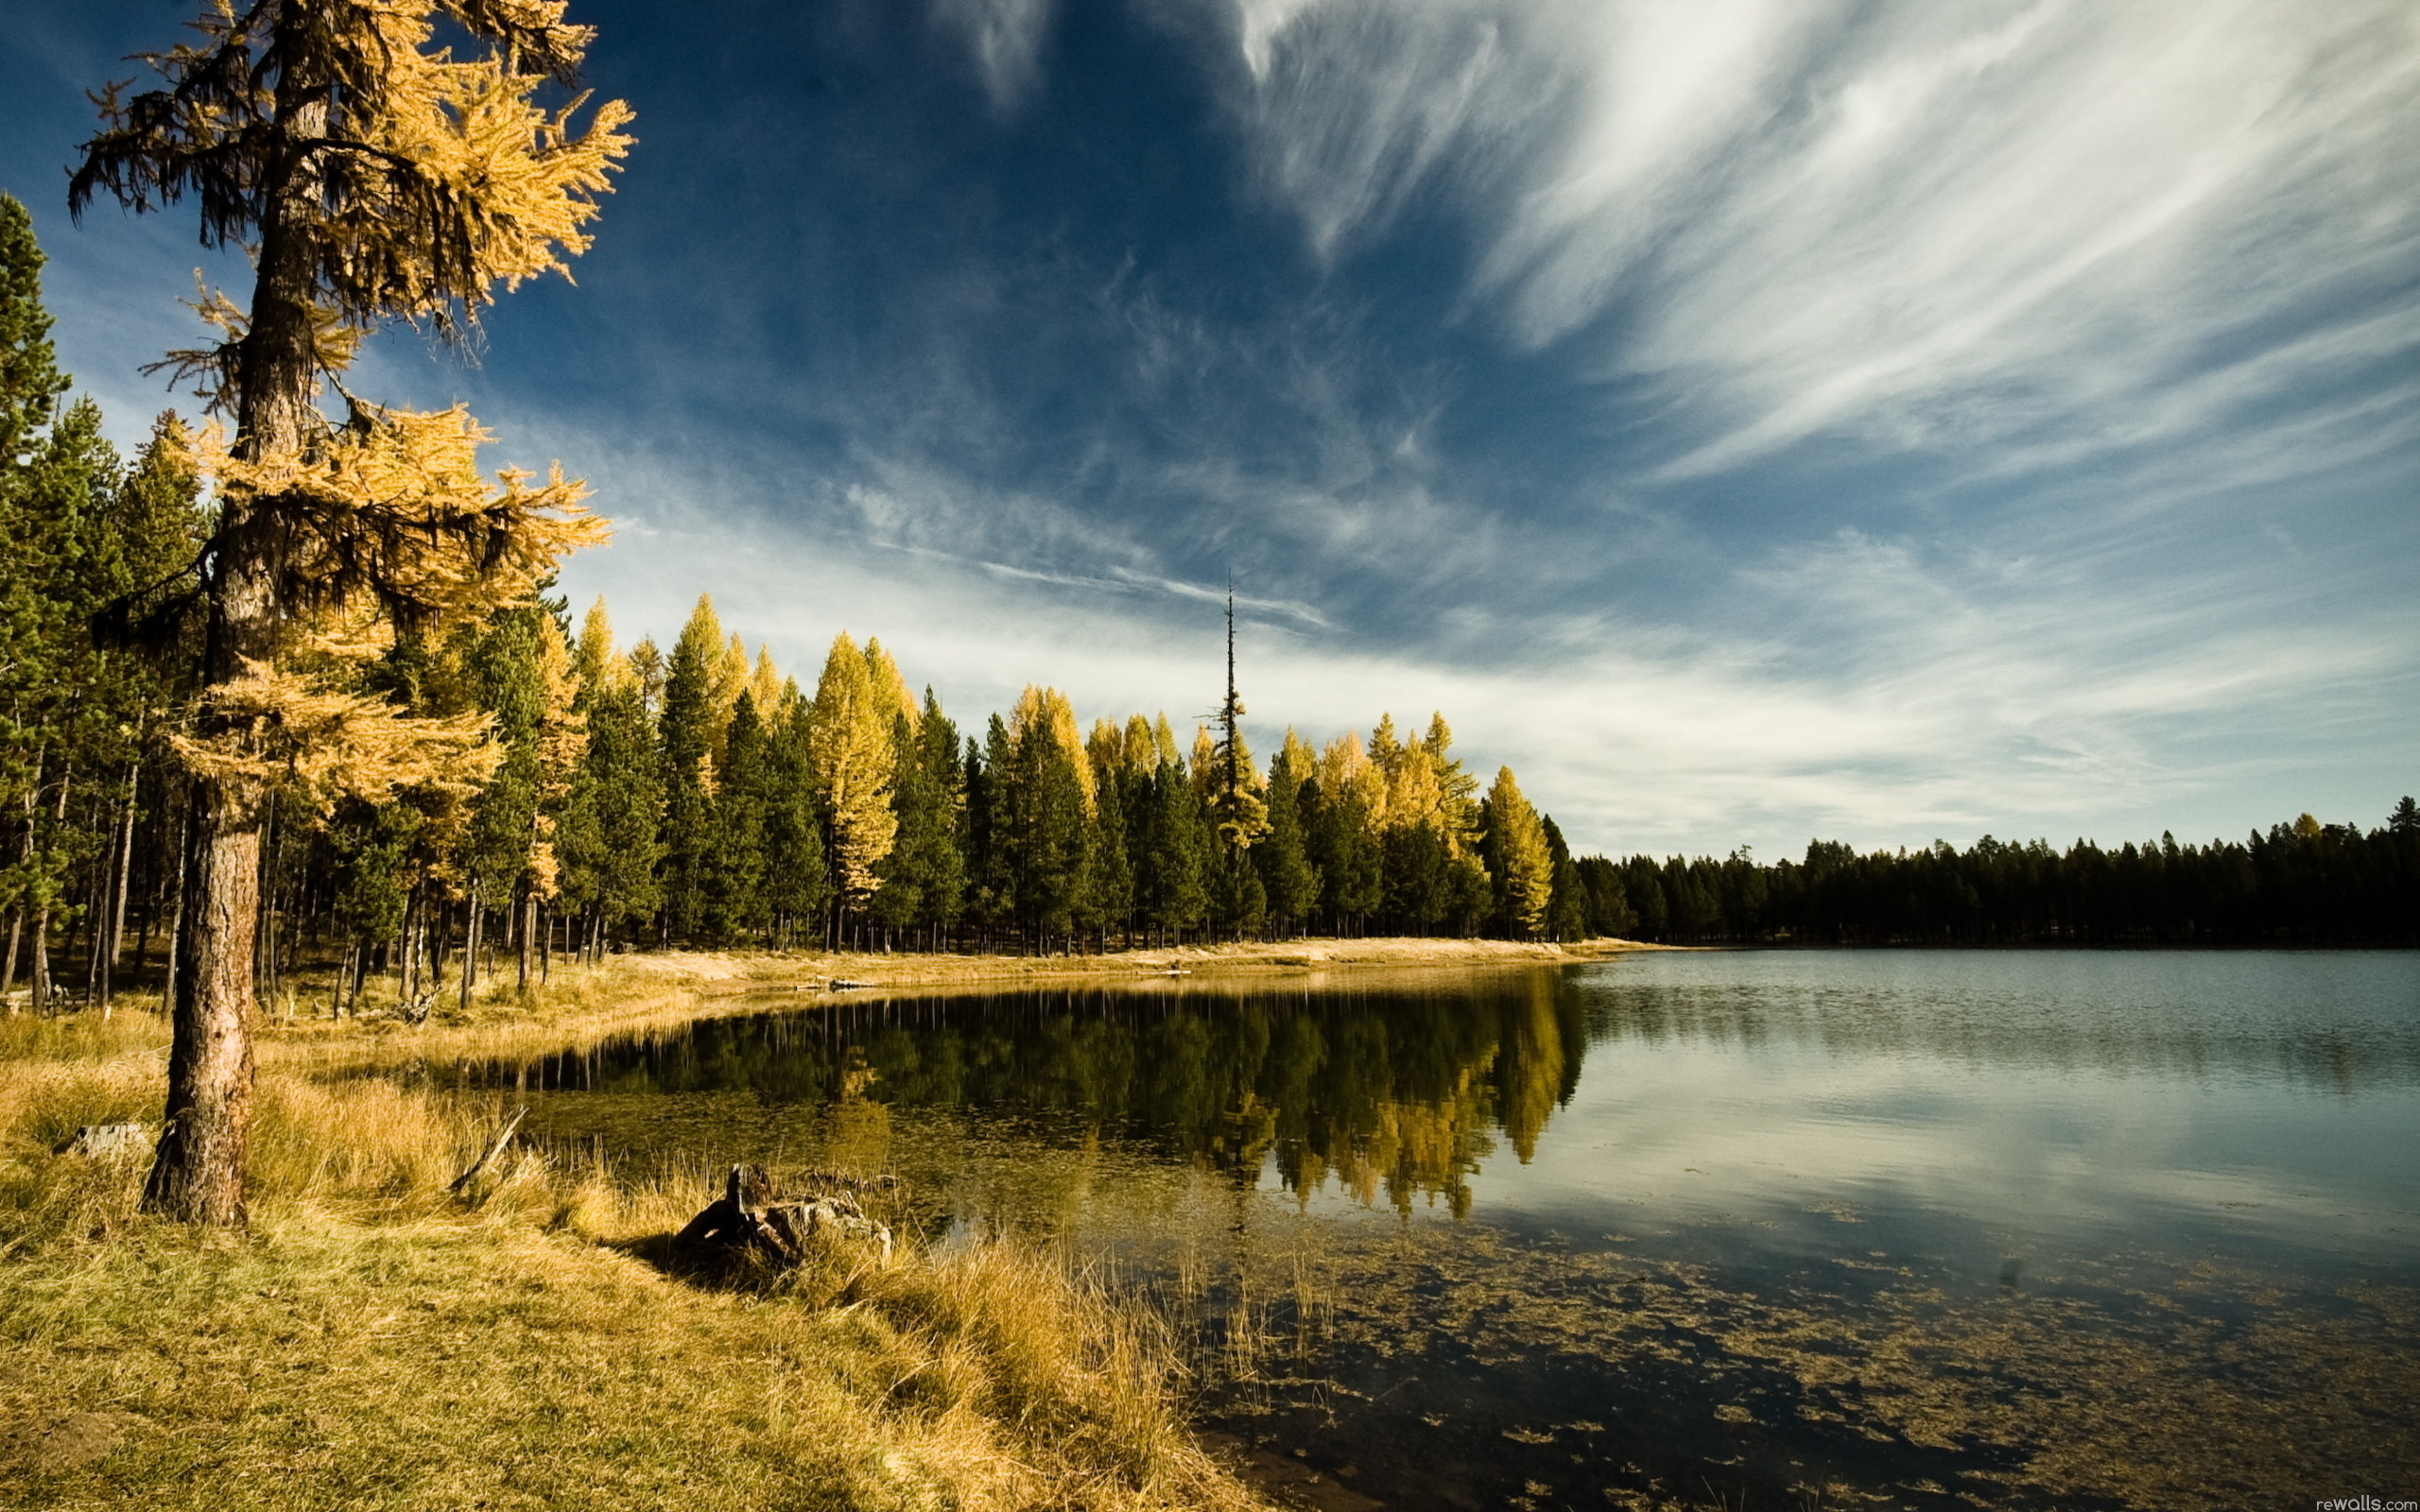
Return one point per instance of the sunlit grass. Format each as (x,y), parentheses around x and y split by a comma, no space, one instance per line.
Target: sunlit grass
(376,1341)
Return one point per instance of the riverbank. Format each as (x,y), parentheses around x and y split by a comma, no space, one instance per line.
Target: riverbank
(376,1340)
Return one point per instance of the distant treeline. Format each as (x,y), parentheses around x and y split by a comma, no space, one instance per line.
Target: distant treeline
(2301,883)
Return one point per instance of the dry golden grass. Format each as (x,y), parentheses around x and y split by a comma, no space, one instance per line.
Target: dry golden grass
(375,1342)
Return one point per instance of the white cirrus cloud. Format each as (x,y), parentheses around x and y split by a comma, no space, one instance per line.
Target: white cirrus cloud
(1004,39)
(2038,224)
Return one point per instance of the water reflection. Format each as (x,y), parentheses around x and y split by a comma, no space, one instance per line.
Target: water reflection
(1391,1097)
(1780,1229)
(2342,1021)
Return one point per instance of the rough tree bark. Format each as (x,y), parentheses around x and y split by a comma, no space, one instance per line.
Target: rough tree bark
(198,1175)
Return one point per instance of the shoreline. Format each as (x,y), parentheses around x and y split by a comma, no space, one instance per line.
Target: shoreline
(661,990)
(718,973)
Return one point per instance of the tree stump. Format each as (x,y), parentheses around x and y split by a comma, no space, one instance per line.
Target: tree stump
(751,1224)
(108,1141)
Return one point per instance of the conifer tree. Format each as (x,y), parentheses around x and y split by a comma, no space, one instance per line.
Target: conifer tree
(923,877)
(1175,889)
(1113,878)
(798,876)
(991,825)
(1346,832)
(736,903)
(613,834)
(920,817)
(849,745)
(945,872)
(1292,883)
(371,176)
(1520,861)
(1567,912)
(31,557)
(1050,804)
(64,709)
(687,735)
(593,659)
(504,658)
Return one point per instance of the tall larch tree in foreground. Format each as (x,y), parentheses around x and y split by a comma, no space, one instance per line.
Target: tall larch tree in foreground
(371,176)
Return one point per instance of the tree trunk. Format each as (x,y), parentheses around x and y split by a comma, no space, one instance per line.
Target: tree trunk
(8,976)
(199,1174)
(529,931)
(41,960)
(117,908)
(471,948)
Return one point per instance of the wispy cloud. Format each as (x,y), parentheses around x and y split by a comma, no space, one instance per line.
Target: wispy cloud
(1004,39)
(1907,224)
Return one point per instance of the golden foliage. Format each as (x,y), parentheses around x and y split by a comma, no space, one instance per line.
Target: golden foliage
(562,738)
(431,180)
(1045,713)
(594,662)
(294,732)
(1522,855)
(849,747)
(883,674)
(1296,757)
(765,686)
(396,507)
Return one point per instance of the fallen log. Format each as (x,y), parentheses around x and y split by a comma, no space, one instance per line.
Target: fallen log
(752,1224)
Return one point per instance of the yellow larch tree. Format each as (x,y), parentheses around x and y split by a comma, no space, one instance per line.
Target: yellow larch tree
(1045,711)
(371,176)
(1524,867)
(888,685)
(593,659)
(765,686)
(848,749)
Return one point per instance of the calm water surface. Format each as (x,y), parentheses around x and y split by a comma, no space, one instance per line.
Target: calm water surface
(1762,1229)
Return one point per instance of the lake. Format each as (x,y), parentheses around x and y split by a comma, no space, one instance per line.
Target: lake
(1885,1229)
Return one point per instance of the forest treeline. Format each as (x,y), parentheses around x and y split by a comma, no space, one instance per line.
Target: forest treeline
(550,789)
(2302,883)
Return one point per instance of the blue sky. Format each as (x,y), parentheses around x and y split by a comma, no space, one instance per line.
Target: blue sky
(1750,420)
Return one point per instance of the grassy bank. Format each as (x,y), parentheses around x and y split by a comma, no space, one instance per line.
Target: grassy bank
(373,1341)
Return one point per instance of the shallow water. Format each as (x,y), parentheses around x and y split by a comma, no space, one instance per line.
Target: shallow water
(1764,1230)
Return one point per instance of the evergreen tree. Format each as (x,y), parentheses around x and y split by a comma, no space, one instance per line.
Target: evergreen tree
(1346,831)
(64,705)
(991,826)
(736,902)
(1050,840)
(1567,909)
(685,738)
(1175,887)
(1113,897)
(615,824)
(797,874)
(1291,881)
(924,840)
